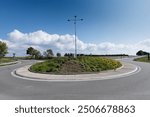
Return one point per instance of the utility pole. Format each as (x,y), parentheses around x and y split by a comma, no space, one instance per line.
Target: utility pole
(75,32)
(148,56)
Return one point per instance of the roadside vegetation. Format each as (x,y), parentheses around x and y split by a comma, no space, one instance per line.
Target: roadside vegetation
(3,52)
(142,53)
(67,65)
(145,56)
(143,59)
(3,49)
(6,60)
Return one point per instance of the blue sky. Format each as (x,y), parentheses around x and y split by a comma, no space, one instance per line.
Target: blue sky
(106,22)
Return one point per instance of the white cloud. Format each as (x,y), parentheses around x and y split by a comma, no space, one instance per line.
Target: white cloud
(18,42)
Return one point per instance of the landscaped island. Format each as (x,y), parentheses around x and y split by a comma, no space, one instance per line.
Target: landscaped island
(66,65)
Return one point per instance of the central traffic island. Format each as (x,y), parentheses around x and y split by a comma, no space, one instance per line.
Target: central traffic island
(73,66)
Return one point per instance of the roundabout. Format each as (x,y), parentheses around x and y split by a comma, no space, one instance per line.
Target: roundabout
(133,85)
(125,70)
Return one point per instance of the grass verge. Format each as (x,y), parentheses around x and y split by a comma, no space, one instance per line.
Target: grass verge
(142,59)
(5,60)
(64,65)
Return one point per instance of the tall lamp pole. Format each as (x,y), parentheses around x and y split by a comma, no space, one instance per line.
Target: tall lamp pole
(75,32)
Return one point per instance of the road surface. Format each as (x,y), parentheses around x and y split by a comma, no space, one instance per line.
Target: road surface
(136,86)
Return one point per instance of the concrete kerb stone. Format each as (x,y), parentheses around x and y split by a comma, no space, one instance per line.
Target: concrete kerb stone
(125,70)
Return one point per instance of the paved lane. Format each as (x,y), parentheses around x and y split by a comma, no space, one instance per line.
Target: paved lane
(136,86)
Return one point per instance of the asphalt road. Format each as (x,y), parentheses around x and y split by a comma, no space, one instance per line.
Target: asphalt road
(136,86)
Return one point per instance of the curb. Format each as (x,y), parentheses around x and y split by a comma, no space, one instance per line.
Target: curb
(81,77)
(9,63)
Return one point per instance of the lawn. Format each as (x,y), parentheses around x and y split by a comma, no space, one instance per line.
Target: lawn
(65,65)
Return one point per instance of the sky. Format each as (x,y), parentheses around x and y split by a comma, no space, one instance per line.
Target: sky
(109,26)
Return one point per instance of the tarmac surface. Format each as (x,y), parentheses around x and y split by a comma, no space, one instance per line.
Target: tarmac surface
(135,85)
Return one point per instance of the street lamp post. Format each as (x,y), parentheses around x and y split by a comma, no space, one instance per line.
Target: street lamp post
(75,32)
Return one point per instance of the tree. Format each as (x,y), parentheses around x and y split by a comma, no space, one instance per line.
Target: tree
(36,54)
(66,54)
(30,51)
(69,54)
(33,52)
(141,53)
(3,49)
(58,54)
(48,53)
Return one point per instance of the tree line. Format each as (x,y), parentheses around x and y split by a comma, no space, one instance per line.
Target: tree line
(32,52)
(36,54)
(142,53)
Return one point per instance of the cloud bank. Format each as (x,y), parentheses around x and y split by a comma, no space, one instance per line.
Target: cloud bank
(18,42)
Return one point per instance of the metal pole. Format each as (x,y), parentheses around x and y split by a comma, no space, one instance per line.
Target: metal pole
(75,22)
(75,37)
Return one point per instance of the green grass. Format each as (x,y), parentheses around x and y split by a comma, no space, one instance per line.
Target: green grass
(5,60)
(142,59)
(64,65)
